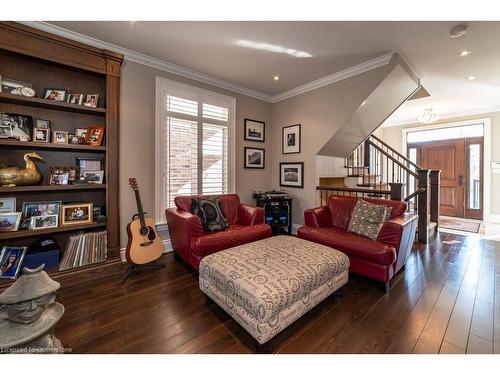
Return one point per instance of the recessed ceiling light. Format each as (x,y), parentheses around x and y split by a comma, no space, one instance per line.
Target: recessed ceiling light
(471,78)
(458,31)
(276,78)
(465,52)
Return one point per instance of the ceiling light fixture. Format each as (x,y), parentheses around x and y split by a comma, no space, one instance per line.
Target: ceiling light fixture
(458,31)
(276,78)
(465,52)
(471,78)
(273,48)
(428,117)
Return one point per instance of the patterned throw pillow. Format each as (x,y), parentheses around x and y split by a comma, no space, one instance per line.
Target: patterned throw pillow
(367,219)
(210,213)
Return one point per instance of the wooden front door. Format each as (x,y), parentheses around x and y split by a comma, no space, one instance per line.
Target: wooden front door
(459,192)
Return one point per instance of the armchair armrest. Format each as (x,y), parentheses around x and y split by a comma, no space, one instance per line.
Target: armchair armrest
(249,215)
(318,217)
(182,226)
(399,232)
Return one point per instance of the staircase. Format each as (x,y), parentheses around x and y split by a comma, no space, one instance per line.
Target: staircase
(376,170)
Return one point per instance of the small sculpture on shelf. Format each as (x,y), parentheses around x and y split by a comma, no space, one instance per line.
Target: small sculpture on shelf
(29,313)
(17,176)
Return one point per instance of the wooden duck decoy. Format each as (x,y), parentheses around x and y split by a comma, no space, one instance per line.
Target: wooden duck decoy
(17,176)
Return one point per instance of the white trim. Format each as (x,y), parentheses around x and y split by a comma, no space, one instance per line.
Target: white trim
(335,77)
(494,218)
(446,116)
(486,154)
(166,66)
(295,228)
(161,84)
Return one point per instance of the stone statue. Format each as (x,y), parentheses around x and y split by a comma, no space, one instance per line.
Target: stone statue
(29,313)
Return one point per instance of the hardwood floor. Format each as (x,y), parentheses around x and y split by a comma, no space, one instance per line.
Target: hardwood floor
(447,300)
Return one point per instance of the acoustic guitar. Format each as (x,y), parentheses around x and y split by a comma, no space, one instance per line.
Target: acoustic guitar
(144,245)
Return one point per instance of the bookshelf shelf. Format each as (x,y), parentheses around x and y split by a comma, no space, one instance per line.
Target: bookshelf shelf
(38,188)
(23,233)
(51,146)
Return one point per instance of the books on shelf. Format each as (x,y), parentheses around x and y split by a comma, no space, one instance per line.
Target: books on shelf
(84,249)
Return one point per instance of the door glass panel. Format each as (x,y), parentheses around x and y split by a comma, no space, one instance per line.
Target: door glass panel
(456,132)
(475,177)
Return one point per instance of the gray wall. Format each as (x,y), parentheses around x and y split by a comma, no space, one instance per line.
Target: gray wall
(321,113)
(137,138)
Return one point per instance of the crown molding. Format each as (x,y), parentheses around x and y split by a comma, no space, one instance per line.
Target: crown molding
(444,116)
(165,66)
(335,77)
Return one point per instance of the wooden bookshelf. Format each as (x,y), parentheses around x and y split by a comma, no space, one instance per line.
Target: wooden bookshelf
(48,61)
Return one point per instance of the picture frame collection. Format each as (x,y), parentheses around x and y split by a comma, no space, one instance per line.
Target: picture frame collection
(45,214)
(255,131)
(88,170)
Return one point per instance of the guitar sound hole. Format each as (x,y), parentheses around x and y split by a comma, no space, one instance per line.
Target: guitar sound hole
(144,231)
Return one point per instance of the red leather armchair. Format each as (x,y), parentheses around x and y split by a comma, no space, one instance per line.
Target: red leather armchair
(380,259)
(192,243)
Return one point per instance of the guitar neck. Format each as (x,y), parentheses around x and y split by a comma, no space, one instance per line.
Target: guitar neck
(140,210)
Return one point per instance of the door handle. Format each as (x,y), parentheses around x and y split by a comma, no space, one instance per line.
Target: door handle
(461,180)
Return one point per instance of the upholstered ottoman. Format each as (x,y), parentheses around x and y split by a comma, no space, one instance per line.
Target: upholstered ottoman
(268,284)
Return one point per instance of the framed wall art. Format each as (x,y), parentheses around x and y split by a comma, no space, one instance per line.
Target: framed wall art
(291,139)
(255,130)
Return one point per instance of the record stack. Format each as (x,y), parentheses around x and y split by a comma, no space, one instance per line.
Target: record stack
(84,249)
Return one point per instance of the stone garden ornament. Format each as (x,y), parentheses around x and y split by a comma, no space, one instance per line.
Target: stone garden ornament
(29,313)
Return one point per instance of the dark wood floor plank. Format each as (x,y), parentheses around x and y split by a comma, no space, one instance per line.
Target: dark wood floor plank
(446,300)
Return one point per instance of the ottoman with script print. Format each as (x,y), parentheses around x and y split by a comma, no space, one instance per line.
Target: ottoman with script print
(268,284)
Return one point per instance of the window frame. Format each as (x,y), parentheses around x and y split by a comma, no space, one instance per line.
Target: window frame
(163,86)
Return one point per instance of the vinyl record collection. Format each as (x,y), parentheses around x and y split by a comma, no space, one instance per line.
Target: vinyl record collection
(84,249)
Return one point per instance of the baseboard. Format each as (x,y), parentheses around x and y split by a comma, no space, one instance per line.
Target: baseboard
(493,218)
(295,227)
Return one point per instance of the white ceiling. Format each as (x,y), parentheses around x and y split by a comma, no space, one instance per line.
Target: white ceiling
(215,49)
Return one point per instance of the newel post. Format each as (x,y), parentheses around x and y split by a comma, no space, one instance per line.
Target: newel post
(396,191)
(366,154)
(423,205)
(435,181)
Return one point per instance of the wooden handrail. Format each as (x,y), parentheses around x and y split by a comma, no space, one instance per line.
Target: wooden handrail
(397,152)
(414,194)
(354,190)
(389,156)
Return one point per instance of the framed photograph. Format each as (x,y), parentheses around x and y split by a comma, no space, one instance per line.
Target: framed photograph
(42,124)
(58,176)
(75,99)
(73,139)
(7,204)
(254,158)
(73,214)
(93,177)
(5,132)
(89,164)
(290,139)
(41,135)
(9,221)
(94,135)
(59,136)
(14,87)
(292,174)
(255,130)
(44,222)
(21,125)
(57,95)
(11,261)
(44,208)
(91,100)
(81,134)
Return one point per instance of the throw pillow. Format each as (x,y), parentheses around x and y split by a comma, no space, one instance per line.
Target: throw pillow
(367,219)
(209,210)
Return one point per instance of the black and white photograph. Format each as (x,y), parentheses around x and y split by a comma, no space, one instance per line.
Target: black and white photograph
(73,139)
(7,204)
(57,95)
(89,164)
(255,158)
(255,130)
(11,260)
(5,132)
(21,125)
(93,177)
(42,124)
(75,99)
(44,222)
(41,135)
(59,177)
(292,174)
(14,87)
(291,138)
(91,100)
(44,208)
(59,136)
(9,222)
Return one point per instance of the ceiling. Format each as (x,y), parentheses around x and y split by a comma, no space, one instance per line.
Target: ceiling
(249,54)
